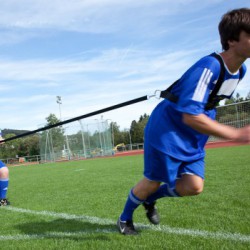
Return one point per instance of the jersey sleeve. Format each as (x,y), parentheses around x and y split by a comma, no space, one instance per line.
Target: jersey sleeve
(195,86)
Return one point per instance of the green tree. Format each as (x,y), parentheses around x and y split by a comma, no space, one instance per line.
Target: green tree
(235,99)
(9,149)
(29,146)
(137,129)
(52,119)
(116,133)
(230,101)
(56,134)
(239,98)
(248,96)
(26,146)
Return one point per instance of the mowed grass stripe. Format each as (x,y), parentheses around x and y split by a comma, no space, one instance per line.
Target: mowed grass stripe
(101,221)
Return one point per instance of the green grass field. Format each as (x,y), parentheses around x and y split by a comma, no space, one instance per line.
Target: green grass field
(75,205)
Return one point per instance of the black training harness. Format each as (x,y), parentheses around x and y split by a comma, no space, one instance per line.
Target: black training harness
(213,99)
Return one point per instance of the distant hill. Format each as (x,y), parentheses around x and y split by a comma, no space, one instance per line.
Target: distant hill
(13,131)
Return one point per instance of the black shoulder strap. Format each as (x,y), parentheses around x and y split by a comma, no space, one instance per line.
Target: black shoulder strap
(221,76)
(212,100)
(241,73)
(168,95)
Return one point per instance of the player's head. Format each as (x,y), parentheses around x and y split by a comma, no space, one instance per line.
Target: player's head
(231,25)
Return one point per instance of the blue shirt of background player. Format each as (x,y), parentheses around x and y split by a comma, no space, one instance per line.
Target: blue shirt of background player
(165,130)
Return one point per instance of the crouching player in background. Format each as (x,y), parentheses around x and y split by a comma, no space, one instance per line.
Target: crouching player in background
(4,182)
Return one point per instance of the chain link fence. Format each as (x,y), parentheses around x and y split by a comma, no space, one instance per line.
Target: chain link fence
(77,140)
(236,115)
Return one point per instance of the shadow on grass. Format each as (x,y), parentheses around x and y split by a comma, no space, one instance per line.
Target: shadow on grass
(67,229)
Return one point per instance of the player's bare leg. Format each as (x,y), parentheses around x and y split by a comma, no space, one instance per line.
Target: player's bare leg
(189,185)
(145,188)
(4,180)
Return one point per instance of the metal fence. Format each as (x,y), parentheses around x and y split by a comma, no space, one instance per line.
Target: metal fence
(24,160)
(78,140)
(236,115)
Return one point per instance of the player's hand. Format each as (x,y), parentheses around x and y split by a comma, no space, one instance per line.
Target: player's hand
(243,134)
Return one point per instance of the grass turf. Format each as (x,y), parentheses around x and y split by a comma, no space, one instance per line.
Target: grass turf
(75,205)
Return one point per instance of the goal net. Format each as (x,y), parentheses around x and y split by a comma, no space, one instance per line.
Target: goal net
(78,140)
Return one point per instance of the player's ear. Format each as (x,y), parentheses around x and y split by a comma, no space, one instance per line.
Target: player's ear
(231,43)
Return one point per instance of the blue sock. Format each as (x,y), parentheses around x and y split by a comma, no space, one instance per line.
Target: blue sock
(163,191)
(132,203)
(4,183)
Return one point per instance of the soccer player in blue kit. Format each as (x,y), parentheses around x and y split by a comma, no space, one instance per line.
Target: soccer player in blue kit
(4,182)
(176,133)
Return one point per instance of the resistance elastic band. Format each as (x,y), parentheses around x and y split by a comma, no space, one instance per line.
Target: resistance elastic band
(120,105)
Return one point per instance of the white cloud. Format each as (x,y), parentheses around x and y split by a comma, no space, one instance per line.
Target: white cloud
(138,62)
(90,16)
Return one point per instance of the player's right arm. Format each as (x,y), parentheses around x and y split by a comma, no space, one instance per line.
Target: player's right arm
(206,125)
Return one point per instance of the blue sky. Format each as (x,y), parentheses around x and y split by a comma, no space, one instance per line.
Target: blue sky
(97,53)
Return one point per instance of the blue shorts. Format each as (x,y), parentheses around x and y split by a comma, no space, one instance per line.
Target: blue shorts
(164,168)
(2,164)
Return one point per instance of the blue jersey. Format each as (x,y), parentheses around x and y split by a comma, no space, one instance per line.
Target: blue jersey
(166,131)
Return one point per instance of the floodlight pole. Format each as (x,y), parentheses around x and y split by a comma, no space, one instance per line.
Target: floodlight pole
(59,101)
(83,141)
(103,134)
(130,141)
(98,126)
(112,132)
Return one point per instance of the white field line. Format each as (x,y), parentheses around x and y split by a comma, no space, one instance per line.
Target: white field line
(100,221)
(53,235)
(93,220)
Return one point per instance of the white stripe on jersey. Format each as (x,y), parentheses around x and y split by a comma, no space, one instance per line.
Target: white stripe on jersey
(201,88)
(228,87)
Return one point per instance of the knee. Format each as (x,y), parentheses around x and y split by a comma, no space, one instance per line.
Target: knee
(4,172)
(190,190)
(189,186)
(195,189)
(145,188)
(150,185)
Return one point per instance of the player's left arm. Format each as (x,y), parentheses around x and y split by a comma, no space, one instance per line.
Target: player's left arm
(206,125)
